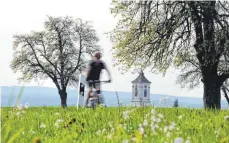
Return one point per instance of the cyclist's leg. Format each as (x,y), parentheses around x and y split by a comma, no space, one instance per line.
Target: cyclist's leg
(98,92)
(90,86)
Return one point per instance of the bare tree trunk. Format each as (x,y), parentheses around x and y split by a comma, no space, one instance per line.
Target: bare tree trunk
(212,97)
(63,97)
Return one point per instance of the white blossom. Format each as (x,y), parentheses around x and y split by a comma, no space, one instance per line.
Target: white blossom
(187,141)
(141,129)
(42,125)
(125,141)
(226,117)
(145,123)
(178,140)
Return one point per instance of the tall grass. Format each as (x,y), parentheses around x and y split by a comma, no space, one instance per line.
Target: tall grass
(142,124)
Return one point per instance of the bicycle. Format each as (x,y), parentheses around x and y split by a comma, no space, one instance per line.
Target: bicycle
(96,99)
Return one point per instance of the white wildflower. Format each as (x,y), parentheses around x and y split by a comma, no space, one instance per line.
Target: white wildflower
(57,113)
(141,129)
(98,132)
(153,118)
(42,125)
(156,126)
(134,139)
(57,122)
(226,117)
(160,116)
(110,124)
(104,130)
(180,116)
(153,111)
(168,134)
(187,141)
(217,132)
(26,105)
(125,115)
(125,141)
(33,132)
(23,111)
(172,126)
(153,128)
(178,140)
(18,113)
(158,120)
(145,123)
(109,136)
(166,129)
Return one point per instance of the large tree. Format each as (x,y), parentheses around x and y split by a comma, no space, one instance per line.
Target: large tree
(189,35)
(59,52)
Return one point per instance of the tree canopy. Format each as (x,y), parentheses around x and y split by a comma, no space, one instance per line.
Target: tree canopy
(59,52)
(191,36)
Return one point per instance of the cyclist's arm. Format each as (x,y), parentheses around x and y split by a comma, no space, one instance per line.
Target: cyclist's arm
(109,74)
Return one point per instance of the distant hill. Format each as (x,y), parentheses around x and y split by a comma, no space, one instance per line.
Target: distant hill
(40,96)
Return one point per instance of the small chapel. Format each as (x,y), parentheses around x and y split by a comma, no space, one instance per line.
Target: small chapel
(141,91)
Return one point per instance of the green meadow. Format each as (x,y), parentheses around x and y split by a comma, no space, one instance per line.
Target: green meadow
(118,125)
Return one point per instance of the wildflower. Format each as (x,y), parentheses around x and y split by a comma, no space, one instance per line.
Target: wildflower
(226,118)
(160,116)
(217,132)
(187,141)
(104,130)
(42,125)
(141,129)
(180,116)
(158,120)
(18,113)
(26,105)
(153,118)
(36,140)
(125,115)
(134,139)
(57,113)
(23,111)
(33,132)
(153,111)
(165,129)
(172,126)
(98,132)
(153,128)
(125,141)
(178,140)
(22,132)
(109,136)
(145,123)
(110,124)
(168,134)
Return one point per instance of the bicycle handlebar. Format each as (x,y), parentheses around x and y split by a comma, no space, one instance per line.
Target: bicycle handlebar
(99,81)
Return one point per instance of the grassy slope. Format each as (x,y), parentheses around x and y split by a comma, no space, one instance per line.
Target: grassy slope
(113,125)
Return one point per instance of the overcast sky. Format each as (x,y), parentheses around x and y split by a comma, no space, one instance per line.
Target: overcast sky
(23,16)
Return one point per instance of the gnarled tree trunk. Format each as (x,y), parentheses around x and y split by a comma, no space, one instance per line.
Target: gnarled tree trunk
(63,97)
(212,96)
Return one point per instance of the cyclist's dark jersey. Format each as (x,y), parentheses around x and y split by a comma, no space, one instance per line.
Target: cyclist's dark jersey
(95,70)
